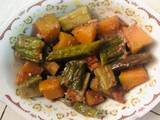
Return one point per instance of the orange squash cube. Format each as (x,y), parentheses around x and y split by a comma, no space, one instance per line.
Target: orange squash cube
(47,27)
(85,34)
(133,77)
(65,40)
(51,89)
(136,38)
(109,25)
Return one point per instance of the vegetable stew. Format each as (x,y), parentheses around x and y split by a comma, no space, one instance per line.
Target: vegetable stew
(82,60)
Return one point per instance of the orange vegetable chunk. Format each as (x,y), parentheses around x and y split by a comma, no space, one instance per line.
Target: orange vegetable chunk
(85,34)
(51,89)
(52,67)
(65,40)
(47,27)
(136,38)
(26,71)
(109,25)
(133,77)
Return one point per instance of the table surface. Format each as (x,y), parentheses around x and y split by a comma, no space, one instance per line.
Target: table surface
(9,7)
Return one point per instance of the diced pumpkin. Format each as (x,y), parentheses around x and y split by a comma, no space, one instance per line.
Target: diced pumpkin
(51,89)
(133,77)
(109,25)
(136,38)
(94,98)
(52,67)
(65,40)
(47,27)
(85,34)
(27,70)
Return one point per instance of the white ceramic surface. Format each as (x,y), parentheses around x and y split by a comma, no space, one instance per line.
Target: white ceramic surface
(139,101)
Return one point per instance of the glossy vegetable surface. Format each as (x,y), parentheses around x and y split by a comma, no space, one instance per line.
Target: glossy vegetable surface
(52,67)
(136,38)
(65,40)
(85,34)
(28,92)
(87,110)
(51,89)
(31,81)
(106,77)
(133,77)
(132,60)
(29,88)
(94,98)
(47,27)
(26,71)
(109,25)
(73,74)
(111,51)
(76,51)
(29,48)
(75,18)
(81,60)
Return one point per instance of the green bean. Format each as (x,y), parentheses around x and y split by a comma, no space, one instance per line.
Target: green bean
(72,52)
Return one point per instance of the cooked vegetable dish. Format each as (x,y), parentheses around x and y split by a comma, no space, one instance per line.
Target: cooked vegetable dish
(82,60)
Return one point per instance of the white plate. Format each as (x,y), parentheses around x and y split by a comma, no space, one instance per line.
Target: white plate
(139,101)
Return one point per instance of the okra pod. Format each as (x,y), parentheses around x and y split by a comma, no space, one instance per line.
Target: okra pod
(29,48)
(31,55)
(73,74)
(29,43)
(87,110)
(112,51)
(105,76)
(75,18)
(31,81)
(131,61)
(28,92)
(82,50)
(110,55)
(29,88)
